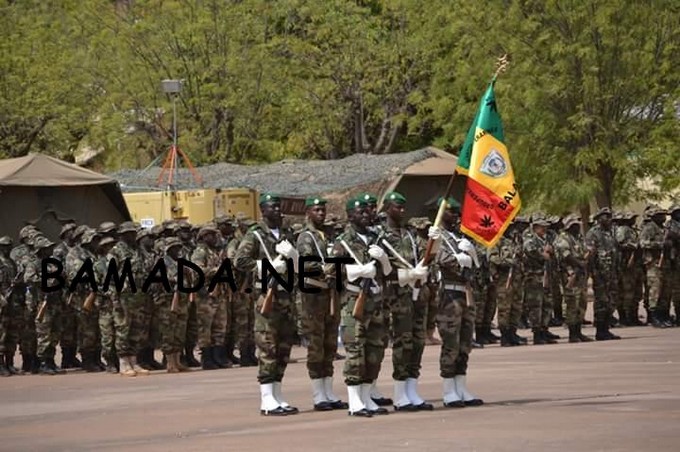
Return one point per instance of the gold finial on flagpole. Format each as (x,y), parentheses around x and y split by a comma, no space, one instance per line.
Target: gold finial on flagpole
(502,64)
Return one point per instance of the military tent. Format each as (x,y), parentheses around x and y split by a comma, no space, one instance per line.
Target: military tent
(44,191)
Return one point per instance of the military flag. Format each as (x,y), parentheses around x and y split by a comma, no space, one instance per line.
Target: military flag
(491,198)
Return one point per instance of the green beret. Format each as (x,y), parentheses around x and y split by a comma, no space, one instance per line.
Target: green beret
(368,198)
(315,201)
(353,203)
(395,197)
(269,197)
(450,202)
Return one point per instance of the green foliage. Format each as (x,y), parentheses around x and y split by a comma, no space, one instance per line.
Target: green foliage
(590,102)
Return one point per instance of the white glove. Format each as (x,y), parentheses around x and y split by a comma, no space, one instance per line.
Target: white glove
(420,273)
(379,254)
(464,260)
(285,249)
(434,233)
(466,245)
(357,271)
(405,277)
(279,265)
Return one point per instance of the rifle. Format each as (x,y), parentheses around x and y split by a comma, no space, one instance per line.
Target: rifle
(358,311)
(631,259)
(268,303)
(175,301)
(663,253)
(334,300)
(41,310)
(89,301)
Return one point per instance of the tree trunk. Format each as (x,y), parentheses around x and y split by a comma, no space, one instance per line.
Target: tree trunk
(605,175)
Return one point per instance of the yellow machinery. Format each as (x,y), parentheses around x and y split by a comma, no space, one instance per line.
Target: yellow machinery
(196,206)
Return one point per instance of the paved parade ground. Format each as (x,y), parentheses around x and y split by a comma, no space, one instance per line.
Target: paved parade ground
(618,395)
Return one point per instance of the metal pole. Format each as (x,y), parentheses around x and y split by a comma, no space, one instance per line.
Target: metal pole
(174,133)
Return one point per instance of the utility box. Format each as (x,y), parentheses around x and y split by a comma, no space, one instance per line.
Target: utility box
(195,206)
(235,201)
(150,208)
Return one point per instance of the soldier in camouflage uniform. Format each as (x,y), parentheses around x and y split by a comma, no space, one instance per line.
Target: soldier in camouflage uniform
(570,250)
(172,308)
(485,297)
(243,302)
(603,260)
(106,306)
(429,289)
(455,257)
(654,242)
(629,264)
(399,253)
(673,228)
(145,358)
(363,337)
(48,306)
(212,306)
(69,315)
(226,226)
(7,275)
(319,312)
(14,294)
(504,265)
(87,315)
(131,321)
(275,330)
(183,232)
(556,226)
(537,254)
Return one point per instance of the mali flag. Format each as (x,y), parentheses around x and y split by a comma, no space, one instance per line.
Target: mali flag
(491,198)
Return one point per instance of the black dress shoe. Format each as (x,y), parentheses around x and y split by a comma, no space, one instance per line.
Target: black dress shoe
(382,401)
(278,411)
(323,406)
(379,411)
(425,407)
(474,402)
(290,409)
(409,407)
(361,413)
(339,405)
(455,404)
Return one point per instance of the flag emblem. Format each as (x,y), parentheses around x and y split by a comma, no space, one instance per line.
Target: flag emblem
(494,164)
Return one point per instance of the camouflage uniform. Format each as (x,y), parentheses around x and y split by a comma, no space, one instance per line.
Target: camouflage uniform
(555,298)
(212,307)
(274,331)
(485,297)
(537,284)
(13,291)
(88,320)
(69,314)
(603,257)
(149,257)
(629,265)
(7,274)
(172,322)
(674,259)
(505,268)
(571,253)
(191,340)
(243,308)
(652,242)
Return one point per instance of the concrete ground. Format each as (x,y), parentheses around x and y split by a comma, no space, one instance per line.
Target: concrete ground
(614,396)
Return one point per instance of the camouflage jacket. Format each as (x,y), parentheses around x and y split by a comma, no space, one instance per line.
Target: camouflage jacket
(451,271)
(503,257)
(627,238)
(603,249)
(409,246)
(534,261)
(208,259)
(122,251)
(250,250)
(312,242)
(652,241)
(62,250)
(19,252)
(75,259)
(674,235)
(359,248)
(7,274)
(149,258)
(33,280)
(571,253)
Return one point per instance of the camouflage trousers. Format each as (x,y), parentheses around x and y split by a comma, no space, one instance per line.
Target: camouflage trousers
(88,325)
(212,320)
(364,340)
(538,301)
(655,281)
(557,298)
(48,330)
(429,296)
(4,326)
(485,301)
(274,336)
(192,325)
(107,324)
(15,312)
(154,338)
(407,319)
(674,288)
(575,298)
(172,324)
(456,323)
(69,322)
(509,300)
(605,293)
(321,331)
(242,309)
(131,323)
(630,288)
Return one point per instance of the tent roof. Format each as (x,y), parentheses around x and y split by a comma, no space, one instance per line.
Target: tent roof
(440,164)
(42,170)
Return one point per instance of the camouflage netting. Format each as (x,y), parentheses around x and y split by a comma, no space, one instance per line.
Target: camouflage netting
(287,177)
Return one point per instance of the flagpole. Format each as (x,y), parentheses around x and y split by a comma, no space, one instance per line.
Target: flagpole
(501,66)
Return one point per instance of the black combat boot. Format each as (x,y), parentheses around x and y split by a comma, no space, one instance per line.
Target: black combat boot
(68,356)
(519,339)
(151,359)
(549,335)
(493,339)
(46,368)
(480,337)
(190,359)
(207,361)
(655,319)
(26,362)
(506,338)
(582,337)
(573,334)
(539,339)
(229,349)
(53,365)
(35,364)
(219,355)
(111,363)
(603,333)
(248,358)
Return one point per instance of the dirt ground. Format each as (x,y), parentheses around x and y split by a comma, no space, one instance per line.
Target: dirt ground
(614,396)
